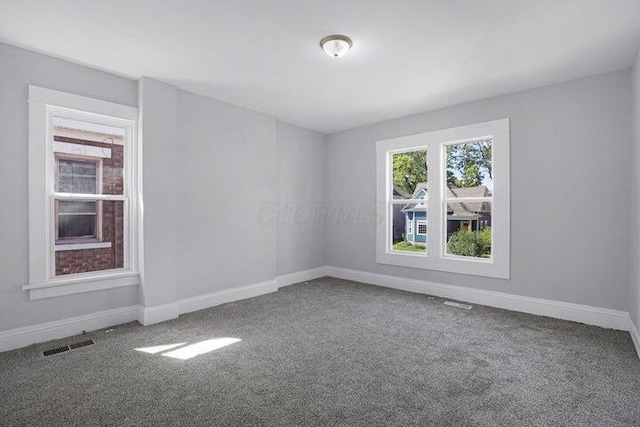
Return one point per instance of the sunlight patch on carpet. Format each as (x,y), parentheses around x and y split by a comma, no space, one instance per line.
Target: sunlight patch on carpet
(201,347)
(159,348)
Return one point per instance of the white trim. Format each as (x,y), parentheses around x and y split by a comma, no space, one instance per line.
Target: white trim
(81,150)
(603,317)
(81,246)
(607,318)
(42,332)
(212,299)
(44,104)
(46,96)
(79,283)
(498,265)
(156,314)
(300,276)
(635,336)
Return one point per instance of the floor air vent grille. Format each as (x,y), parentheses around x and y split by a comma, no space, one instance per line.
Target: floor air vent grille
(64,348)
(56,350)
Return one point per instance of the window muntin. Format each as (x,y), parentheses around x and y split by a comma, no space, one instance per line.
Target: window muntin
(467,190)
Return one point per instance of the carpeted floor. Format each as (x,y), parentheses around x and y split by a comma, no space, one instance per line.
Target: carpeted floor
(332,353)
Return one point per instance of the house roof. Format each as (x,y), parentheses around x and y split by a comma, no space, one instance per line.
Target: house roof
(461,210)
(399,193)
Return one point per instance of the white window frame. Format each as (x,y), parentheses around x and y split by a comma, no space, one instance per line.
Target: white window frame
(44,104)
(410,227)
(435,258)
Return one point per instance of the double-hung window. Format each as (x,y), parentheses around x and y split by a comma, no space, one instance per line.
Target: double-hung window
(82,194)
(455,209)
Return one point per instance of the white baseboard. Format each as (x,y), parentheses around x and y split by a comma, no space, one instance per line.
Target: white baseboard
(27,335)
(603,317)
(635,336)
(24,336)
(201,302)
(300,276)
(156,314)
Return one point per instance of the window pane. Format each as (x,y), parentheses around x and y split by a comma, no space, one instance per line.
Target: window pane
(469,170)
(76,220)
(109,238)
(410,174)
(408,228)
(88,144)
(72,207)
(76,176)
(469,229)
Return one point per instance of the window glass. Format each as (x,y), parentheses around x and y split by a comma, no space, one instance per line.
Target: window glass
(469,229)
(469,169)
(409,173)
(75,176)
(89,160)
(408,203)
(76,219)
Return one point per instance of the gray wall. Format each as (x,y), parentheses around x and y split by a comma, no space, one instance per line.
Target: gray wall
(570,186)
(299,213)
(18,69)
(634,300)
(210,191)
(209,182)
(226,173)
(159,131)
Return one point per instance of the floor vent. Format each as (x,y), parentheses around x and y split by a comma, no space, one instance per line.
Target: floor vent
(56,350)
(64,348)
(459,305)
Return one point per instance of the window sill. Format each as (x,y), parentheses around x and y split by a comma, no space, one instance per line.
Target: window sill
(80,283)
(82,246)
(449,264)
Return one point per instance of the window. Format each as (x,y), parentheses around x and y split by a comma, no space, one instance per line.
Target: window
(454,184)
(422,227)
(76,221)
(82,194)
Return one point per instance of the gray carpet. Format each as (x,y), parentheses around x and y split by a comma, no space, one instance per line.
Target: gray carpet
(333,353)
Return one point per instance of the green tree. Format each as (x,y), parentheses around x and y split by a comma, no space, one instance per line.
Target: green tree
(468,164)
(409,169)
(472,176)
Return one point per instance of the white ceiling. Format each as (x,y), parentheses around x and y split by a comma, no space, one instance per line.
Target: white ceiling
(408,56)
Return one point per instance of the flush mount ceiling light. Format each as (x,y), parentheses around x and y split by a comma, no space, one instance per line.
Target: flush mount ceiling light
(336,45)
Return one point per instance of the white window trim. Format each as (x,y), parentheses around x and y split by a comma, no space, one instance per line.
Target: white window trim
(410,227)
(498,265)
(60,247)
(43,104)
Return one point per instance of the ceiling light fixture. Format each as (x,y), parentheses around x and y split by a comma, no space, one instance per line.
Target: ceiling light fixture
(336,45)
